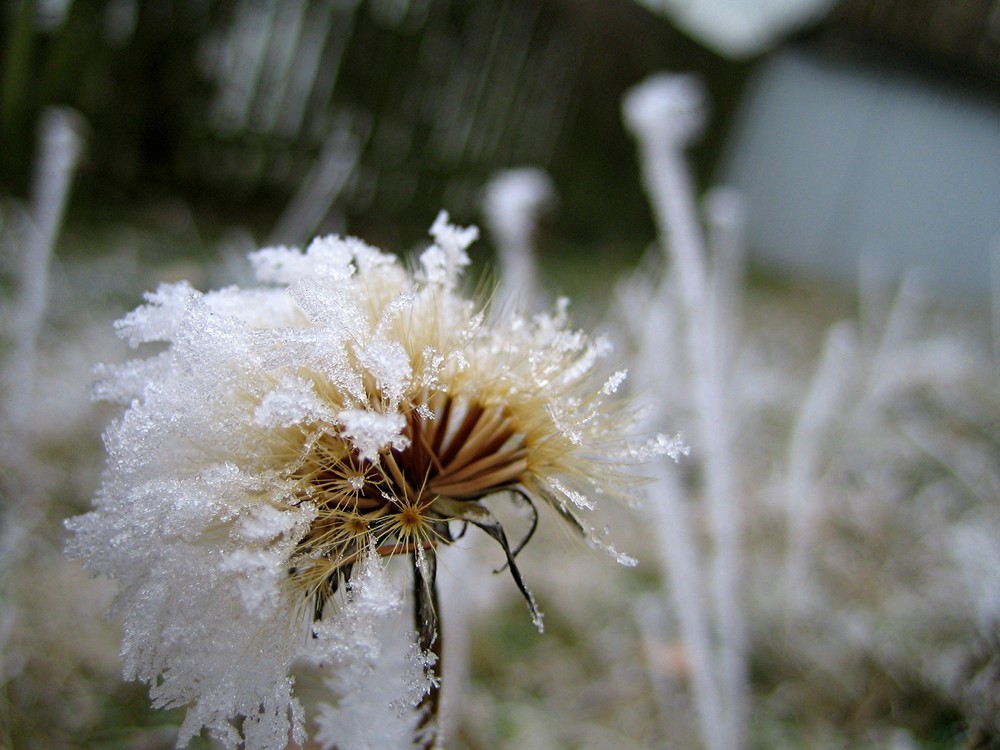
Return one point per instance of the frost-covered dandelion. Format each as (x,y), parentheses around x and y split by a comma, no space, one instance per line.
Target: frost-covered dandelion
(292,437)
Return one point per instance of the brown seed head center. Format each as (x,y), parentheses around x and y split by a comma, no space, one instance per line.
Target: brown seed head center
(459,449)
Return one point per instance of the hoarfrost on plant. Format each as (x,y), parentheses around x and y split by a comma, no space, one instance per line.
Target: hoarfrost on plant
(292,438)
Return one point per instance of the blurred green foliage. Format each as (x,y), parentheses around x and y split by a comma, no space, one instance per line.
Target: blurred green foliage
(147,94)
(138,88)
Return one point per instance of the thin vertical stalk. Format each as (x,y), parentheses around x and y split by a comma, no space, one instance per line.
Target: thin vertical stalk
(666,113)
(674,528)
(428,627)
(336,162)
(512,202)
(726,217)
(804,454)
(60,144)
(901,325)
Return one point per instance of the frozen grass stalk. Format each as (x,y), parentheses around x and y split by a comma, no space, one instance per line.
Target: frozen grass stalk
(901,325)
(512,203)
(665,113)
(819,410)
(676,532)
(725,214)
(335,164)
(60,146)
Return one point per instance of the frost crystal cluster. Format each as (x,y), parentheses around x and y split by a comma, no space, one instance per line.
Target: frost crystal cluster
(290,438)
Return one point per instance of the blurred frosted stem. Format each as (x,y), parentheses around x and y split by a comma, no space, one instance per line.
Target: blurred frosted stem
(60,146)
(454,671)
(319,190)
(725,210)
(666,675)
(666,113)
(900,325)
(821,406)
(726,216)
(512,203)
(674,529)
(883,369)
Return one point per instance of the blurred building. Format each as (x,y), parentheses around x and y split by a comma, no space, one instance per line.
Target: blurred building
(877,142)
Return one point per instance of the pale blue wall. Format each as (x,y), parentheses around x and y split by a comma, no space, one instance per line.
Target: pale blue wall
(838,160)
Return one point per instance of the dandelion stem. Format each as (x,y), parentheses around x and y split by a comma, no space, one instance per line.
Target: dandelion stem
(428,627)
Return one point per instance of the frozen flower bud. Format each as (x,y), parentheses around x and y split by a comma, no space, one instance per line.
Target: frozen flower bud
(668,107)
(294,437)
(512,203)
(513,199)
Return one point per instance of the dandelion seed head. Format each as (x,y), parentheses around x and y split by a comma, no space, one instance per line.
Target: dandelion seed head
(296,436)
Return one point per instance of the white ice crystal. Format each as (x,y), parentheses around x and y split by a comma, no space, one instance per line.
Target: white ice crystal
(292,402)
(159,319)
(371,432)
(292,438)
(377,655)
(443,261)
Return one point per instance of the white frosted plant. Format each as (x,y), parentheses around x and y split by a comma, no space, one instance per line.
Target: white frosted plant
(890,485)
(27,244)
(285,441)
(684,328)
(512,203)
(866,566)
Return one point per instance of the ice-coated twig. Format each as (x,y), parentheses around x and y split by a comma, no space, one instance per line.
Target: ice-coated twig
(824,398)
(455,668)
(327,178)
(60,146)
(61,143)
(667,667)
(674,528)
(512,203)
(468,592)
(725,214)
(671,520)
(901,325)
(666,113)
